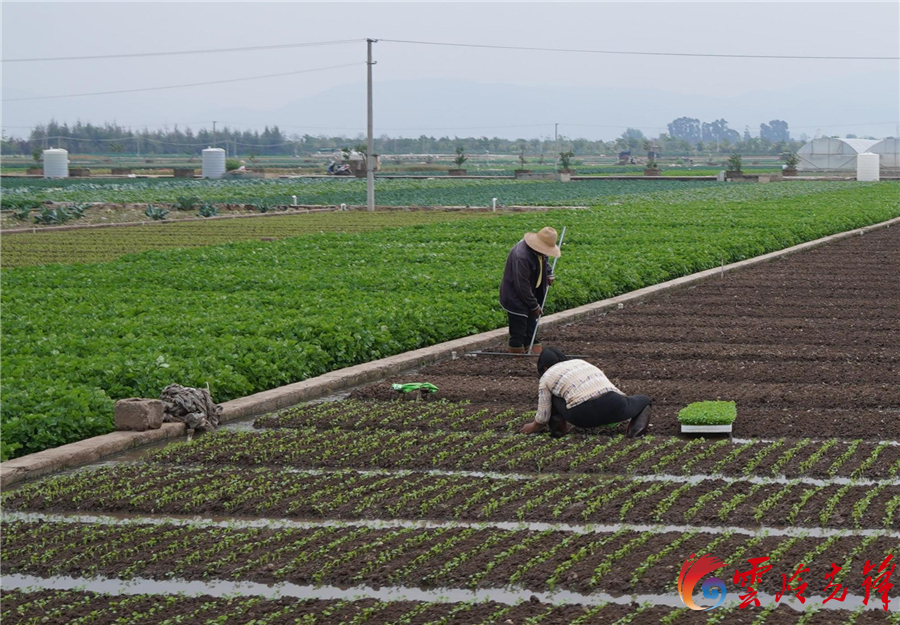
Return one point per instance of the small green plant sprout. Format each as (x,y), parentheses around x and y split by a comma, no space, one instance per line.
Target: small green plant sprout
(734,162)
(461,157)
(155,213)
(208,210)
(565,159)
(708,416)
(186,203)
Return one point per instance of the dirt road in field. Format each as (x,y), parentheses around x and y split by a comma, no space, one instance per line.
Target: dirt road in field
(808,346)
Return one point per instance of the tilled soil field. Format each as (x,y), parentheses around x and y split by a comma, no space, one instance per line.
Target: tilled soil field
(61,607)
(807,346)
(382,509)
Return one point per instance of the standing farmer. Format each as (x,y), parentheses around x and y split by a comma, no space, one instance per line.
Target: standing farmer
(525,281)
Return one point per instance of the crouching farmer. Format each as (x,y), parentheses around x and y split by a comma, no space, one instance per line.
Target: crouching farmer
(525,281)
(575,392)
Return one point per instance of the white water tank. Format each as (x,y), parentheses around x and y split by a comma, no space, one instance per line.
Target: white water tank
(213,163)
(56,163)
(867,167)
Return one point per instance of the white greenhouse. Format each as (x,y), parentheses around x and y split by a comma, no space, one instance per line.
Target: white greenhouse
(829,154)
(889,151)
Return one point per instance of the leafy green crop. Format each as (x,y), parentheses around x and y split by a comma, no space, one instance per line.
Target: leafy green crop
(208,210)
(333,192)
(156,214)
(91,245)
(249,316)
(52,216)
(184,203)
(708,413)
(23,213)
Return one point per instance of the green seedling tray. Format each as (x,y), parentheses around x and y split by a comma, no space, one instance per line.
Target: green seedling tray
(708,417)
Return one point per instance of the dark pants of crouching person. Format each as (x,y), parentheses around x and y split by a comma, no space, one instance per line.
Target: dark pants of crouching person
(609,408)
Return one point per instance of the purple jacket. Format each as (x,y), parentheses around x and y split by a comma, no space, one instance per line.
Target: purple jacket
(519,290)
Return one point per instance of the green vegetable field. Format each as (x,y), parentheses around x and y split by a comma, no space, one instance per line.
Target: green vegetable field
(252,315)
(91,245)
(391,192)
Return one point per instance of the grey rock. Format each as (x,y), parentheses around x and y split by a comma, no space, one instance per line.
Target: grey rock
(139,414)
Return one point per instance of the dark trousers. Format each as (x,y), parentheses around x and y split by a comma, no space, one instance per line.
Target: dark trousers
(610,407)
(521,330)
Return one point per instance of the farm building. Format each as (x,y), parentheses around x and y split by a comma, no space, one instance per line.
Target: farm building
(832,153)
(889,151)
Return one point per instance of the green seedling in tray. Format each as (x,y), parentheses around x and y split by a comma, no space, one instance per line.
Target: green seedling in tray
(708,416)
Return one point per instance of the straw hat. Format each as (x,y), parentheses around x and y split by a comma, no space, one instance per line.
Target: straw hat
(543,242)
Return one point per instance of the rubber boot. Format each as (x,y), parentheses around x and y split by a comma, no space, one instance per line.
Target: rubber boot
(639,425)
(516,350)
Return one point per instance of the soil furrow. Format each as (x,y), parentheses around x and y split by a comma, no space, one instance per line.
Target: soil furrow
(347,557)
(576,499)
(61,607)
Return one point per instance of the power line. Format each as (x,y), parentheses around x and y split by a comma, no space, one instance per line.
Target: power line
(196,84)
(637,53)
(182,52)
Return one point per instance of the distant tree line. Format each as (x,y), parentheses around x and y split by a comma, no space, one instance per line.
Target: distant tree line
(111,138)
(686,137)
(716,136)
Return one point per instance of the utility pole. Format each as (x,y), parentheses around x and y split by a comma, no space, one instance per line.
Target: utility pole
(214,133)
(556,139)
(370,147)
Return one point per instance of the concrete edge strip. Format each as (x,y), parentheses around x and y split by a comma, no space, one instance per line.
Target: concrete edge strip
(92,449)
(82,452)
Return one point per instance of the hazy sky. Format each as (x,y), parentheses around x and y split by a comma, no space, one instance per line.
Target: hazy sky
(63,29)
